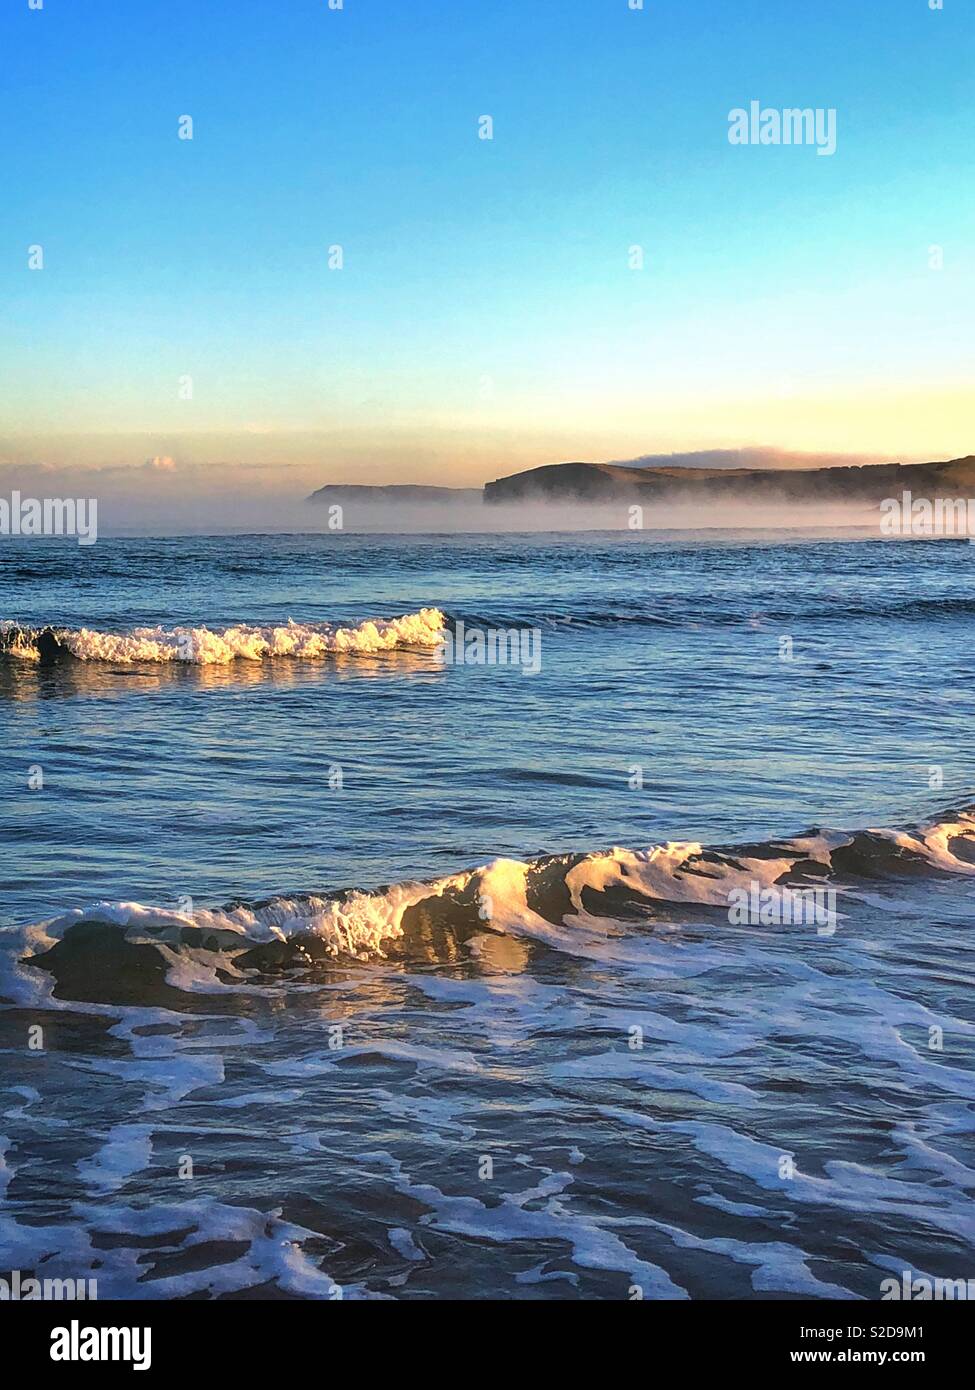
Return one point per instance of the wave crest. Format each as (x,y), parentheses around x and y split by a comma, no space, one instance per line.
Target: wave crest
(206,646)
(586,904)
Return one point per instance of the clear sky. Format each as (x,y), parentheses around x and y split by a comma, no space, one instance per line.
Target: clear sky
(486,317)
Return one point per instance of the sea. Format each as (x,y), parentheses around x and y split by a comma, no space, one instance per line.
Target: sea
(543,916)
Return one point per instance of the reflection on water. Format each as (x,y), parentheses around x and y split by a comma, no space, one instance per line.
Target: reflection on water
(28,680)
(636,1073)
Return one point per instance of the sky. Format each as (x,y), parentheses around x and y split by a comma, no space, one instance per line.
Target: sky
(487,315)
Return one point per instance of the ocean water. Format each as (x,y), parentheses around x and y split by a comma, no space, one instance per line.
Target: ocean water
(332,969)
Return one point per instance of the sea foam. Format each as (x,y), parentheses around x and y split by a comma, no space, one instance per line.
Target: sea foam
(205,646)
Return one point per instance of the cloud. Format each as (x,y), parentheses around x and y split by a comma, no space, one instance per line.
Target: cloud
(753,456)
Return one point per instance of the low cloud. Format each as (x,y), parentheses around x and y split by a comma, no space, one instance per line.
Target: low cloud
(163,495)
(752,456)
(171,494)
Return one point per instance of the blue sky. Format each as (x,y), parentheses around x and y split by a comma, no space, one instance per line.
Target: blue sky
(486,307)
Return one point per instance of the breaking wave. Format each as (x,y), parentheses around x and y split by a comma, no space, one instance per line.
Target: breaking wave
(590,905)
(206,646)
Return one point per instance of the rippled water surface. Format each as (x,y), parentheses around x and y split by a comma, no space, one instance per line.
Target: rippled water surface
(301,1033)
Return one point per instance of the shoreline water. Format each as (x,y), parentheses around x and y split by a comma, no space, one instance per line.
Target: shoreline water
(563,1071)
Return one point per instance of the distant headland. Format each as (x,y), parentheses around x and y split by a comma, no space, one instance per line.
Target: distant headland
(868,483)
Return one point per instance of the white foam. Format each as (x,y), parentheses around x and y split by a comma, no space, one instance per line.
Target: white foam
(204,646)
(635,1066)
(274,1251)
(168,1079)
(6,1172)
(127,1150)
(359,924)
(851,1187)
(435,1058)
(933,842)
(512,1219)
(365,925)
(22,648)
(404,1244)
(779,1267)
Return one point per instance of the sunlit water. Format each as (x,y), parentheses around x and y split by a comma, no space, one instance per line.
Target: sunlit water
(567,1078)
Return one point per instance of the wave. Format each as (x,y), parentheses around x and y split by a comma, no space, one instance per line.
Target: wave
(695,609)
(592,905)
(205,646)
